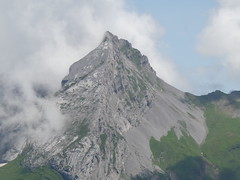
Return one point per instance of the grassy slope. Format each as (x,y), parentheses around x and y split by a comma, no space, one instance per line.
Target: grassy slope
(181,156)
(14,171)
(170,150)
(221,147)
(103,138)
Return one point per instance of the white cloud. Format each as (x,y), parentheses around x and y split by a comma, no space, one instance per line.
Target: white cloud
(44,38)
(229,3)
(25,117)
(221,37)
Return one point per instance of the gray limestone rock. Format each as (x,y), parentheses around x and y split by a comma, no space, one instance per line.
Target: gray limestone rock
(114,104)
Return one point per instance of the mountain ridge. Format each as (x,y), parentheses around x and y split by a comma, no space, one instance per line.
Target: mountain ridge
(131,86)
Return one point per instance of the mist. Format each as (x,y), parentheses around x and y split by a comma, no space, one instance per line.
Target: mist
(27,115)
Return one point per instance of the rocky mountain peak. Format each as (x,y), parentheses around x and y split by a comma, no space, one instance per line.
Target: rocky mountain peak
(111,50)
(109,41)
(108,36)
(112,41)
(114,104)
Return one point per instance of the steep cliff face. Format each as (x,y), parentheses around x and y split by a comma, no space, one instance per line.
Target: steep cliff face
(114,103)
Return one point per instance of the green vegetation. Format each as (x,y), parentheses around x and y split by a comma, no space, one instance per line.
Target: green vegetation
(151,176)
(135,57)
(218,156)
(103,138)
(119,62)
(181,156)
(191,116)
(191,168)
(141,84)
(128,71)
(131,96)
(133,81)
(138,91)
(14,170)
(115,140)
(222,145)
(128,103)
(228,174)
(183,125)
(137,83)
(170,149)
(195,100)
(82,130)
(133,54)
(203,101)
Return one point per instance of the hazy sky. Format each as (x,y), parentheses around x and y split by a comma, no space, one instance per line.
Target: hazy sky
(193,45)
(201,38)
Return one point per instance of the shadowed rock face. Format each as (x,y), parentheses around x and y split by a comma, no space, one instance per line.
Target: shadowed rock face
(114,104)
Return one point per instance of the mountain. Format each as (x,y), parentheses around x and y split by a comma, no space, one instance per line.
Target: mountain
(123,122)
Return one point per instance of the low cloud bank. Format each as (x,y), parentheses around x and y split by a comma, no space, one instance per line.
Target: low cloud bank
(26,115)
(221,37)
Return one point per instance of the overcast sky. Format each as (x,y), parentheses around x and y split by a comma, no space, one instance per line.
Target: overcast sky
(193,45)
